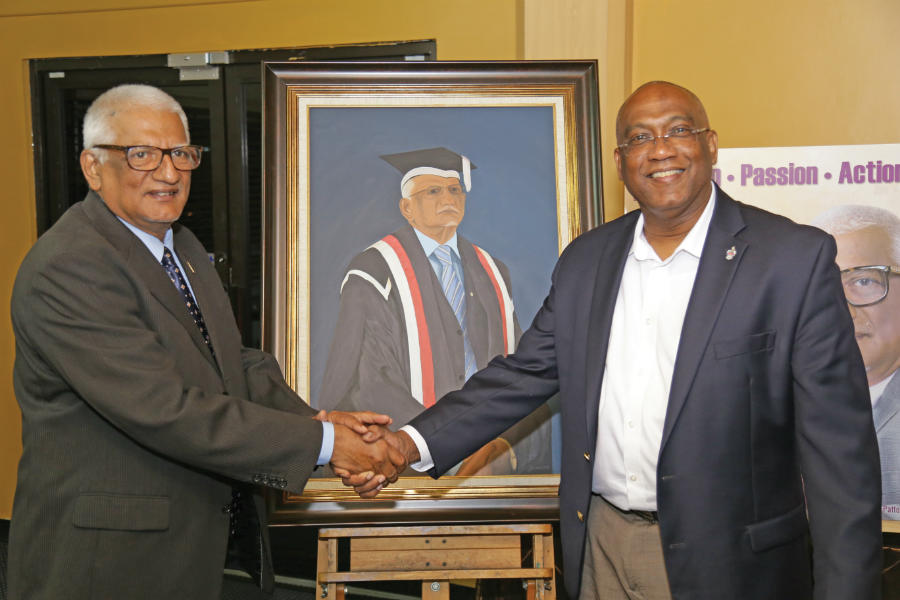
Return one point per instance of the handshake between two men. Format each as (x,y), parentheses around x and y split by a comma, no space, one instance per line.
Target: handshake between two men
(367,455)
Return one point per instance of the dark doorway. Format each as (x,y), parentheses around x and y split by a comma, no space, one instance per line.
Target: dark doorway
(222,96)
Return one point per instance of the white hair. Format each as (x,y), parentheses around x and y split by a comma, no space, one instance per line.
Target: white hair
(97,128)
(848,218)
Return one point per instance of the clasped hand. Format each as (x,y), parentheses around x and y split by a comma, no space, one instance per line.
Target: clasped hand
(366,455)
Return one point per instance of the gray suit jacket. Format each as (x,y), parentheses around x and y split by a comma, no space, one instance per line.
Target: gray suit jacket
(768,387)
(133,433)
(886,413)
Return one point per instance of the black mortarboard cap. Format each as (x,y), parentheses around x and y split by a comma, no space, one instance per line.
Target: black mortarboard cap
(434,161)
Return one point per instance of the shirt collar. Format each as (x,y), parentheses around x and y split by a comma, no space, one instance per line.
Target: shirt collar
(153,244)
(692,242)
(428,244)
(877,390)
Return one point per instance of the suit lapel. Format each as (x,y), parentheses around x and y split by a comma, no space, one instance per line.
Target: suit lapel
(889,403)
(203,278)
(610,263)
(143,265)
(714,276)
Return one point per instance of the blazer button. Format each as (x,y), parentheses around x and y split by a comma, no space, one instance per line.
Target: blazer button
(587,456)
(580,515)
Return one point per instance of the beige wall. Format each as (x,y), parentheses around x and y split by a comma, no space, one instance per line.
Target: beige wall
(770,72)
(597,29)
(776,73)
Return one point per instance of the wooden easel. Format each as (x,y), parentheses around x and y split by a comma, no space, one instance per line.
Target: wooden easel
(435,555)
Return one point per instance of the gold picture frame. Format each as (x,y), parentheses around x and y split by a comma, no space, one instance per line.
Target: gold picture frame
(309,108)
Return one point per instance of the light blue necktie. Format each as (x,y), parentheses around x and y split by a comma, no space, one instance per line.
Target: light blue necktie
(456,296)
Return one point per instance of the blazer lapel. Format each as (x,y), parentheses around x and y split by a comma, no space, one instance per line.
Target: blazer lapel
(607,278)
(143,265)
(714,276)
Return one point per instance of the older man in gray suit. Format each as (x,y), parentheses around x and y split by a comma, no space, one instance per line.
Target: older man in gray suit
(868,244)
(145,422)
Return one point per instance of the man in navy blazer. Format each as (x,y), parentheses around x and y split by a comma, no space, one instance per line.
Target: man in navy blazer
(715,417)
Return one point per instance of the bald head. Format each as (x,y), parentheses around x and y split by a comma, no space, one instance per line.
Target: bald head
(655,91)
(664,156)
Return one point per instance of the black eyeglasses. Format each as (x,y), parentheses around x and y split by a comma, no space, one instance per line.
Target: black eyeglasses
(148,158)
(675,135)
(864,286)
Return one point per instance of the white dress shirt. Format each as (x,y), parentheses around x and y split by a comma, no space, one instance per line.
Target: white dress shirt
(643,342)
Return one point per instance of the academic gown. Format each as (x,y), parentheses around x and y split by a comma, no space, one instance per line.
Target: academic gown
(369,367)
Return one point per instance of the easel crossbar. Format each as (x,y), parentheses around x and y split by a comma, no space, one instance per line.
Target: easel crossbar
(347,577)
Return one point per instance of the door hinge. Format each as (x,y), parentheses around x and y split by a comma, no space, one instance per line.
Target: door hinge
(193,66)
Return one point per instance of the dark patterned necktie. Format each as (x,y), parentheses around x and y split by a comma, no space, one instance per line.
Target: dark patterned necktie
(174,273)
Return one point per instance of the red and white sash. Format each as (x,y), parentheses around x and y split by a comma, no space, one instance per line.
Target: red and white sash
(504,300)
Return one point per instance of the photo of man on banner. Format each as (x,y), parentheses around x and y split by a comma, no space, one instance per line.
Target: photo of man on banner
(868,242)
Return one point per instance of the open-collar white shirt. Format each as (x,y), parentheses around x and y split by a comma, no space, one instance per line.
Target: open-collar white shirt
(643,343)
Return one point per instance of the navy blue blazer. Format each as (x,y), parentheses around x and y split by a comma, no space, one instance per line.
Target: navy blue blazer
(768,438)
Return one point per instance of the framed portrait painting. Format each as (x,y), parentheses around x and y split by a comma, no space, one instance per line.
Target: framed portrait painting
(371,169)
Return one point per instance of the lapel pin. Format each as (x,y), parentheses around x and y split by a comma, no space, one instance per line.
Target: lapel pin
(730,253)
(191,267)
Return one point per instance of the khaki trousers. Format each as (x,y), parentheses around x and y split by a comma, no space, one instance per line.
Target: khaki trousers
(623,557)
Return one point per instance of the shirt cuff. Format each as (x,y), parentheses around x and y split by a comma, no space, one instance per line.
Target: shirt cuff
(425,461)
(327,444)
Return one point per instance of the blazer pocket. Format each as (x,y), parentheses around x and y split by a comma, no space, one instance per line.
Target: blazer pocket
(121,512)
(778,530)
(758,342)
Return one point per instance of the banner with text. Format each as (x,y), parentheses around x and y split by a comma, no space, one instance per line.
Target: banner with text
(853,192)
(800,182)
